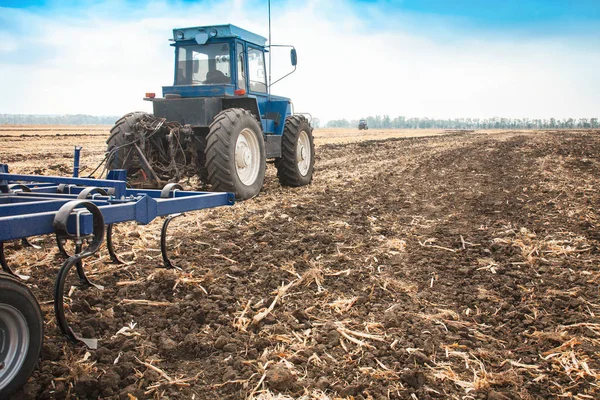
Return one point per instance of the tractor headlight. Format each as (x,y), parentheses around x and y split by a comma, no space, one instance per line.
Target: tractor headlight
(179,35)
(213,32)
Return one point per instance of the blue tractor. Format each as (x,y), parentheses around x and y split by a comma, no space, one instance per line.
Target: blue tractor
(218,120)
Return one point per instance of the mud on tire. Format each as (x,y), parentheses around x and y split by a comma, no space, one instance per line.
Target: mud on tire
(123,132)
(296,164)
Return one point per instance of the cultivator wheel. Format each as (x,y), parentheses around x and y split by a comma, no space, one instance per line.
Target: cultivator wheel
(295,167)
(235,154)
(21,334)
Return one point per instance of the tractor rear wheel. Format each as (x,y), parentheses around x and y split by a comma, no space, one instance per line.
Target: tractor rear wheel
(295,167)
(21,334)
(123,133)
(235,153)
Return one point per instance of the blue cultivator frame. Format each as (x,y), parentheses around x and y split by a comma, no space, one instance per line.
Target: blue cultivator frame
(78,209)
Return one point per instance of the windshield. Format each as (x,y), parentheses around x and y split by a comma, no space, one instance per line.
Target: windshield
(206,64)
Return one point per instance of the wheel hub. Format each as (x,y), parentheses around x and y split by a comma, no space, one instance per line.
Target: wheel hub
(247,157)
(303,153)
(243,155)
(14,342)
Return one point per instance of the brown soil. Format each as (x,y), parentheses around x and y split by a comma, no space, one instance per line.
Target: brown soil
(453,266)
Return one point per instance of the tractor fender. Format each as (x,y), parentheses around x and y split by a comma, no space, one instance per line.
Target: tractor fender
(247,103)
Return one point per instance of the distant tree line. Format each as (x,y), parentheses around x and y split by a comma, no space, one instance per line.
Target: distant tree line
(385,121)
(74,119)
(378,121)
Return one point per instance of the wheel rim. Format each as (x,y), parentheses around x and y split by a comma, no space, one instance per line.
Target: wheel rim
(247,157)
(303,153)
(14,343)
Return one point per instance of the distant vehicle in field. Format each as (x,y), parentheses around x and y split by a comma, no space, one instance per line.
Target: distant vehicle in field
(362,124)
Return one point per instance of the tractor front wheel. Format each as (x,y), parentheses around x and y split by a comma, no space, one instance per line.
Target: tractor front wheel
(235,154)
(21,334)
(296,164)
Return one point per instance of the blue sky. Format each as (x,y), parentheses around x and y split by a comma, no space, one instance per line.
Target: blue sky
(436,58)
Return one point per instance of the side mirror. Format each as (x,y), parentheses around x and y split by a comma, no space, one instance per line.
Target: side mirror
(294,57)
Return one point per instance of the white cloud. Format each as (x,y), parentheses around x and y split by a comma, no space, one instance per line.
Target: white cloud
(95,63)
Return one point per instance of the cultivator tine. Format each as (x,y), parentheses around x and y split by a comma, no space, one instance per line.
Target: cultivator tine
(79,266)
(81,273)
(85,193)
(165,194)
(60,243)
(59,310)
(163,241)
(109,245)
(60,226)
(17,187)
(27,243)
(5,266)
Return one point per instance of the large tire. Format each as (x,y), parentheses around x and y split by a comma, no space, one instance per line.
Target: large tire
(296,164)
(121,134)
(21,336)
(235,154)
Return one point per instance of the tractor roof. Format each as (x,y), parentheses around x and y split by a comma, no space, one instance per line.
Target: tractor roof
(218,31)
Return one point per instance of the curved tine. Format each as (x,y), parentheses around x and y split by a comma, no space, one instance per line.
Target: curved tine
(163,241)
(26,243)
(170,187)
(60,226)
(5,266)
(59,310)
(61,248)
(90,190)
(109,245)
(79,265)
(18,186)
(81,273)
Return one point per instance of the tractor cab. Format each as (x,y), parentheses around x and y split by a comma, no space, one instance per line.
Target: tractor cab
(218,60)
(219,67)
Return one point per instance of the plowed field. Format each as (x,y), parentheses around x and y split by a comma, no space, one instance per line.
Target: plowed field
(447,266)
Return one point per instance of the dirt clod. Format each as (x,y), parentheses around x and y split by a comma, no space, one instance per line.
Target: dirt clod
(279,377)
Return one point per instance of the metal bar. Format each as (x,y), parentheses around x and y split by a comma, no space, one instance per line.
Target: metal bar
(20,208)
(119,186)
(20,226)
(32,197)
(146,165)
(76,161)
(182,204)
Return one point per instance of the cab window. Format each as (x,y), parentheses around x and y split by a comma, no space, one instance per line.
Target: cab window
(241,66)
(256,70)
(206,64)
